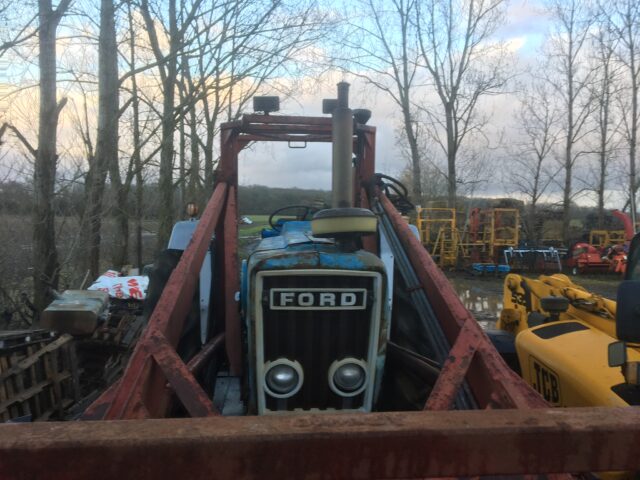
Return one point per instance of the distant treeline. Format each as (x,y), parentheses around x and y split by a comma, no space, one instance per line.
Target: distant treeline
(258,199)
(17,198)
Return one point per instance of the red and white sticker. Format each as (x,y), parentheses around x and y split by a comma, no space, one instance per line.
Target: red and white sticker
(124,288)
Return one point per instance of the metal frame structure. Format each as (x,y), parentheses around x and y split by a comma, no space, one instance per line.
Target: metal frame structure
(494,229)
(383,445)
(376,445)
(431,220)
(439,233)
(606,238)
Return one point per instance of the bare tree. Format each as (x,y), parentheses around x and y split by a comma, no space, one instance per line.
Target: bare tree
(191,173)
(570,76)
(464,64)
(382,49)
(13,13)
(136,157)
(270,39)
(624,20)
(603,91)
(45,256)
(539,122)
(106,152)
(167,64)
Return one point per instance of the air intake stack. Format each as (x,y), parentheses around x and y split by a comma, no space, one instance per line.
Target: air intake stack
(342,221)
(342,136)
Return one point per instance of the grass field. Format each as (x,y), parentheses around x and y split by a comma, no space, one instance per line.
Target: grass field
(249,235)
(259,222)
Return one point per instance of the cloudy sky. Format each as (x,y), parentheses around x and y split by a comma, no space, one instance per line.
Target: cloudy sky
(277,165)
(274,164)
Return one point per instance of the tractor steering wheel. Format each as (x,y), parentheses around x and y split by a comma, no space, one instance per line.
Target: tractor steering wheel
(396,192)
(304,209)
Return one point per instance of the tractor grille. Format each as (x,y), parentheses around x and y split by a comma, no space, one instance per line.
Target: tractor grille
(316,338)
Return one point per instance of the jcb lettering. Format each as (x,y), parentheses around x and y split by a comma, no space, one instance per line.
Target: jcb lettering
(545,381)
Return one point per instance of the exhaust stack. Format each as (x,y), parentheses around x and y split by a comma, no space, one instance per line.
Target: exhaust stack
(342,222)
(342,137)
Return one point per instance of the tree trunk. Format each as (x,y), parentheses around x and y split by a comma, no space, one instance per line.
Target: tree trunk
(166,210)
(633,140)
(107,138)
(566,197)
(451,159)
(209,177)
(415,156)
(194,173)
(182,174)
(533,234)
(568,159)
(137,165)
(120,215)
(603,177)
(136,157)
(46,269)
(603,166)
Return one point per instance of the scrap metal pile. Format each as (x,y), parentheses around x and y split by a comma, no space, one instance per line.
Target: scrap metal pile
(55,372)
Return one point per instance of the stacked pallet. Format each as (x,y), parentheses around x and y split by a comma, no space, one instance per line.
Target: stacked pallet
(38,375)
(104,354)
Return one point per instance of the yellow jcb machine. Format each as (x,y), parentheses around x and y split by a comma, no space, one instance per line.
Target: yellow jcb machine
(574,347)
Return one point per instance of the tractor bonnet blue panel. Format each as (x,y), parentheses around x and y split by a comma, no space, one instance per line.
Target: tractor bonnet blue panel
(297,248)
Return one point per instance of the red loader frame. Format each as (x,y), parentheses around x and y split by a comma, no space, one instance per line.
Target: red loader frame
(513,433)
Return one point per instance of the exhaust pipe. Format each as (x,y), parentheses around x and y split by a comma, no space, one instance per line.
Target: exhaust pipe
(342,138)
(342,222)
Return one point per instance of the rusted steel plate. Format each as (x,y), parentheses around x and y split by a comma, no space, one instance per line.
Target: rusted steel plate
(369,242)
(141,391)
(200,359)
(253,119)
(181,380)
(284,137)
(233,341)
(402,357)
(175,302)
(454,369)
(377,445)
(287,128)
(98,408)
(492,381)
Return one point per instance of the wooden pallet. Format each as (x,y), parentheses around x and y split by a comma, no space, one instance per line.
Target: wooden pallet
(38,377)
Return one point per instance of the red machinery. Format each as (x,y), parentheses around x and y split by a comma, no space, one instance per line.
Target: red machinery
(513,432)
(583,257)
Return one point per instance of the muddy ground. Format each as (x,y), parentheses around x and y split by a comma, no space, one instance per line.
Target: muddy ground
(483,295)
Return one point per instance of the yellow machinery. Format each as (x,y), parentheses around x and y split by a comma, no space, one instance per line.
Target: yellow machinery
(494,228)
(562,336)
(606,238)
(439,234)
(447,246)
(431,220)
(486,233)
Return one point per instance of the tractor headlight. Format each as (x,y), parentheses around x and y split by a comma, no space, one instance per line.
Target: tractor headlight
(348,377)
(283,378)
